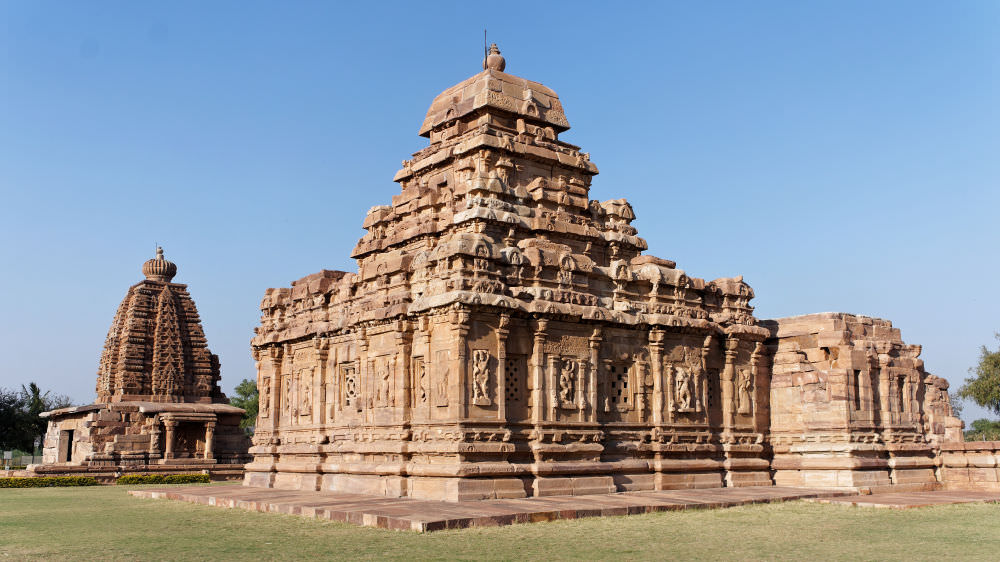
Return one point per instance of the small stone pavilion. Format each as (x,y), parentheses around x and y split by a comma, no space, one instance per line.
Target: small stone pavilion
(505,336)
(159,407)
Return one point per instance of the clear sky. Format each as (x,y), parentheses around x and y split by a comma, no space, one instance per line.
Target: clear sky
(841,156)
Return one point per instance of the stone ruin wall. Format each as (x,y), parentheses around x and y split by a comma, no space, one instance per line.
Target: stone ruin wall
(852,405)
(504,336)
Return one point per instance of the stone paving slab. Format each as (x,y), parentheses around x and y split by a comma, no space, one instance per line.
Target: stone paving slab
(908,500)
(427,515)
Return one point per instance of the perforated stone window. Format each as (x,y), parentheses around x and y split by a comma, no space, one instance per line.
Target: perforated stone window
(516,374)
(618,385)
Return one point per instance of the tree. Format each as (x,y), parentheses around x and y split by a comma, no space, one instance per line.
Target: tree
(983,430)
(957,405)
(21,422)
(246,398)
(984,387)
(12,421)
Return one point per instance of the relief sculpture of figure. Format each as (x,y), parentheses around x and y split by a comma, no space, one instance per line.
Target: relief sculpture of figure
(264,402)
(566,382)
(744,394)
(480,377)
(286,396)
(382,397)
(682,390)
(306,387)
(441,389)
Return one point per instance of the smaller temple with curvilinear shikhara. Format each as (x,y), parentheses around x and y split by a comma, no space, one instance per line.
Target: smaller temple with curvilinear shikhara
(505,336)
(159,407)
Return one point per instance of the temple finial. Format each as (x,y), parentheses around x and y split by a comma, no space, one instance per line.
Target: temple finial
(494,60)
(158,268)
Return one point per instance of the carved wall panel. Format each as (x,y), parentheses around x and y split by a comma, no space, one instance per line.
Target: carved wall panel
(442,368)
(264,398)
(351,385)
(421,384)
(518,399)
(482,374)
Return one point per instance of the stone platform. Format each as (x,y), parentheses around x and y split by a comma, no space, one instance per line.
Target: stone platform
(427,515)
(907,500)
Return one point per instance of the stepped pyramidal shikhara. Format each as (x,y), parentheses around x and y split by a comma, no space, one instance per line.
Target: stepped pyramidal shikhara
(505,336)
(159,407)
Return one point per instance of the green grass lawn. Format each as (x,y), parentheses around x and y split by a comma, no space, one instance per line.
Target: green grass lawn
(106,523)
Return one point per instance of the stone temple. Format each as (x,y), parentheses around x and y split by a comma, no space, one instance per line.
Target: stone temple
(506,336)
(159,407)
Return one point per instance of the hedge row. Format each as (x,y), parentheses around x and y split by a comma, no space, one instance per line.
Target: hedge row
(48,481)
(163,479)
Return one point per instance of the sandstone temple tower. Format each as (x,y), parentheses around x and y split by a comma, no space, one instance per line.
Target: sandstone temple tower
(505,336)
(159,406)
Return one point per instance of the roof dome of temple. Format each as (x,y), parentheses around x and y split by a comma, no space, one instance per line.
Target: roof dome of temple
(494,89)
(156,349)
(158,268)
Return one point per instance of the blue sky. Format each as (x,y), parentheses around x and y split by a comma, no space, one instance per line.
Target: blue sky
(842,156)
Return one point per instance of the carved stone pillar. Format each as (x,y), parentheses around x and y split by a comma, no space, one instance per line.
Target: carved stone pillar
(553,386)
(404,343)
(759,424)
(273,356)
(869,395)
(332,389)
(424,348)
(276,355)
(669,376)
(656,359)
(318,384)
(884,393)
(728,375)
(640,388)
(461,362)
(538,371)
(702,389)
(595,370)
(503,331)
(154,442)
(363,375)
(170,426)
(209,440)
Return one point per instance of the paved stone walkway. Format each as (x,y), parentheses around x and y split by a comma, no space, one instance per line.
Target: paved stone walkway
(907,500)
(426,515)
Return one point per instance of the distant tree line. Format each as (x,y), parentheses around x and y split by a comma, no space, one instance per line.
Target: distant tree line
(20,420)
(983,388)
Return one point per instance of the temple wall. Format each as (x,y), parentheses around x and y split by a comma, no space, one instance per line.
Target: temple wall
(851,405)
(510,406)
(971,465)
(119,436)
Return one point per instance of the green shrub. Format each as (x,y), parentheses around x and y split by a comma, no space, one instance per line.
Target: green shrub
(47,481)
(163,479)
